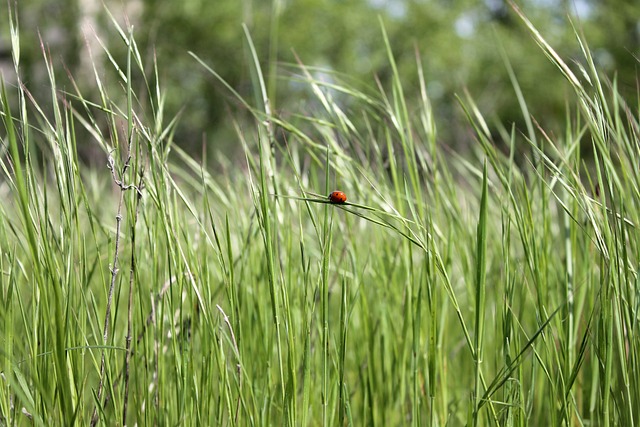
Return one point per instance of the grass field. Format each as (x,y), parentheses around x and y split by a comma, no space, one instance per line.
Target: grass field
(490,287)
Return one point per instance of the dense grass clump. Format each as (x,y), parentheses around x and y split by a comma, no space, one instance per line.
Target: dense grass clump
(492,287)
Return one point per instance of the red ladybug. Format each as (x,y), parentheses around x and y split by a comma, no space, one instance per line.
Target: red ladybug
(337,197)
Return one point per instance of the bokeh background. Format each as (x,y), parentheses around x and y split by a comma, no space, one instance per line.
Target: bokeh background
(459,43)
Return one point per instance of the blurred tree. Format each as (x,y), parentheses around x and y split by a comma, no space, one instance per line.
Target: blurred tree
(616,24)
(459,43)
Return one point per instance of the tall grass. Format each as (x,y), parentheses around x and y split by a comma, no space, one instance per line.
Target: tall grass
(477,288)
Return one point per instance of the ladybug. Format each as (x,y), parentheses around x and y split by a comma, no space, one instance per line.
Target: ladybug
(337,197)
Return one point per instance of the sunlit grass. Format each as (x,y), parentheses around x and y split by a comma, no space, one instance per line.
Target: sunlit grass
(475,288)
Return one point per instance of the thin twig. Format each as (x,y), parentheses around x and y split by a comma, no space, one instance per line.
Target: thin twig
(114,270)
(150,319)
(130,306)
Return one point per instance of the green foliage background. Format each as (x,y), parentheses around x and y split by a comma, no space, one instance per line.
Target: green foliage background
(457,43)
